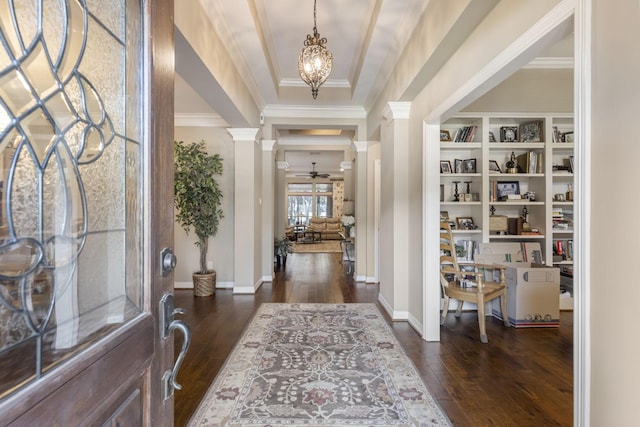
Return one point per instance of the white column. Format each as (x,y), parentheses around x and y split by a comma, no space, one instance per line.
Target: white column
(395,230)
(361,211)
(247,211)
(269,148)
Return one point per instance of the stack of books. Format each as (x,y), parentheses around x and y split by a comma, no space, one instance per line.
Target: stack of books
(562,220)
(465,134)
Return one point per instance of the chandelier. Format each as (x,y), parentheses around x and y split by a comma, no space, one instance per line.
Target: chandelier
(315,61)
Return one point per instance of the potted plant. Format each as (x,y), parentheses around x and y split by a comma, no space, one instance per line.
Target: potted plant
(197,200)
(282,247)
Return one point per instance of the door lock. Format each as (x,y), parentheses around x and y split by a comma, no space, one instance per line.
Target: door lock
(168,261)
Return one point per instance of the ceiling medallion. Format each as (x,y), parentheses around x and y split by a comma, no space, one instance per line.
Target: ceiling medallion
(315,61)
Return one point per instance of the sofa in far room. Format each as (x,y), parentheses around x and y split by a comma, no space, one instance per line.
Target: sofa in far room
(329,228)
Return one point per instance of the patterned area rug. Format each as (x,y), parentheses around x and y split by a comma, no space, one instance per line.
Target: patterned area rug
(318,365)
(326,246)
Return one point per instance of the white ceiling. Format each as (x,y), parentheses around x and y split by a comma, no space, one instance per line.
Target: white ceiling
(264,38)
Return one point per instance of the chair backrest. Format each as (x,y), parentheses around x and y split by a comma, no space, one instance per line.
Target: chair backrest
(448,259)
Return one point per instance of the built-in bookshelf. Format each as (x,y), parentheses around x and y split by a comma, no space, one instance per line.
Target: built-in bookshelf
(500,154)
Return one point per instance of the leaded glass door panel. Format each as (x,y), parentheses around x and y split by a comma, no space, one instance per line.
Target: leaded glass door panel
(78,282)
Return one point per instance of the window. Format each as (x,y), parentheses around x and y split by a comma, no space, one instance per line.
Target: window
(307,200)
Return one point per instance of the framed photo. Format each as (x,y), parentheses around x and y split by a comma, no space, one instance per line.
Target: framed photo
(532,131)
(469,166)
(567,137)
(465,223)
(445,166)
(506,188)
(444,215)
(492,137)
(457,166)
(494,166)
(445,135)
(508,133)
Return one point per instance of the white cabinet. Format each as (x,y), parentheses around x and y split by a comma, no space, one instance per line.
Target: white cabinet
(544,173)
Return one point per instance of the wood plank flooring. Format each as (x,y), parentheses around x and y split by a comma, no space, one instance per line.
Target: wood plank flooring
(523,377)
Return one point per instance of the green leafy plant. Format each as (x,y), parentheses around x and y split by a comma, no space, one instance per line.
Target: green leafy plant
(282,247)
(197,194)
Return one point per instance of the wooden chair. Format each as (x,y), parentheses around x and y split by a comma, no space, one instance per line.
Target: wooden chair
(470,286)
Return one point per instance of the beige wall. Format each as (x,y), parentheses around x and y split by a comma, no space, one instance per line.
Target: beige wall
(615,347)
(218,141)
(530,90)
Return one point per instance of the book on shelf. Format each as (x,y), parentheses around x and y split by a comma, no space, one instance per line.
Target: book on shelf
(468,249)
(562,250)
(530,162)
(465,134)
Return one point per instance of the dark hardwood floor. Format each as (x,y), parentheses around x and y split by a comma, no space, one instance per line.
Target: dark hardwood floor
(523,377)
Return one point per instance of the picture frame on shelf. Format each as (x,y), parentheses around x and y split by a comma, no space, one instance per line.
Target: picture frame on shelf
(445,166)
(492,137)
(532,131)
(508,134)
(494,167)
(571,166)
(506,188)
(567,137)
(469,166)
(444,215)
(457,166)
(445,135)
(465,223)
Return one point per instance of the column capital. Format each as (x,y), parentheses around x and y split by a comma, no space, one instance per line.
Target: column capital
(244,134)
(269,145)
(361,146)
(283,165)
(397,111)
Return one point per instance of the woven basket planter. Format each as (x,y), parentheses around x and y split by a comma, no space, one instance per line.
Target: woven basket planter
(204,285)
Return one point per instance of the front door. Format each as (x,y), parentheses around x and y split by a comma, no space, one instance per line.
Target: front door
(86,184)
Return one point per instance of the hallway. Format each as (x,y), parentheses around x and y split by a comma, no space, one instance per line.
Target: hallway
(522,377)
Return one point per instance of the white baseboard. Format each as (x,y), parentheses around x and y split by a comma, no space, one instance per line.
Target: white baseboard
(361,279)
(372,279)
(395,315)
(415,324)
(268,278)
(189,285)
(247,290)
(183,285)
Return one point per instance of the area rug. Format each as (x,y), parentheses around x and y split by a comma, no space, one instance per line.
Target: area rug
(328,246)
(318,365)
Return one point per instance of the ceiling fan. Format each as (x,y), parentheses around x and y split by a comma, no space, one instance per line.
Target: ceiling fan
(314,174)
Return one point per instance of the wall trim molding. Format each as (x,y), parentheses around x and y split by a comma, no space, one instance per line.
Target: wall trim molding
(322,112)
(199,120)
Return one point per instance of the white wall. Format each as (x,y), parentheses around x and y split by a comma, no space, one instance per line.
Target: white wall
(218,141)
(615,347)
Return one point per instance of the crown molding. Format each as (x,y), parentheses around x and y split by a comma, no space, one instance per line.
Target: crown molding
(305,111)
(333,83)
(199,120)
